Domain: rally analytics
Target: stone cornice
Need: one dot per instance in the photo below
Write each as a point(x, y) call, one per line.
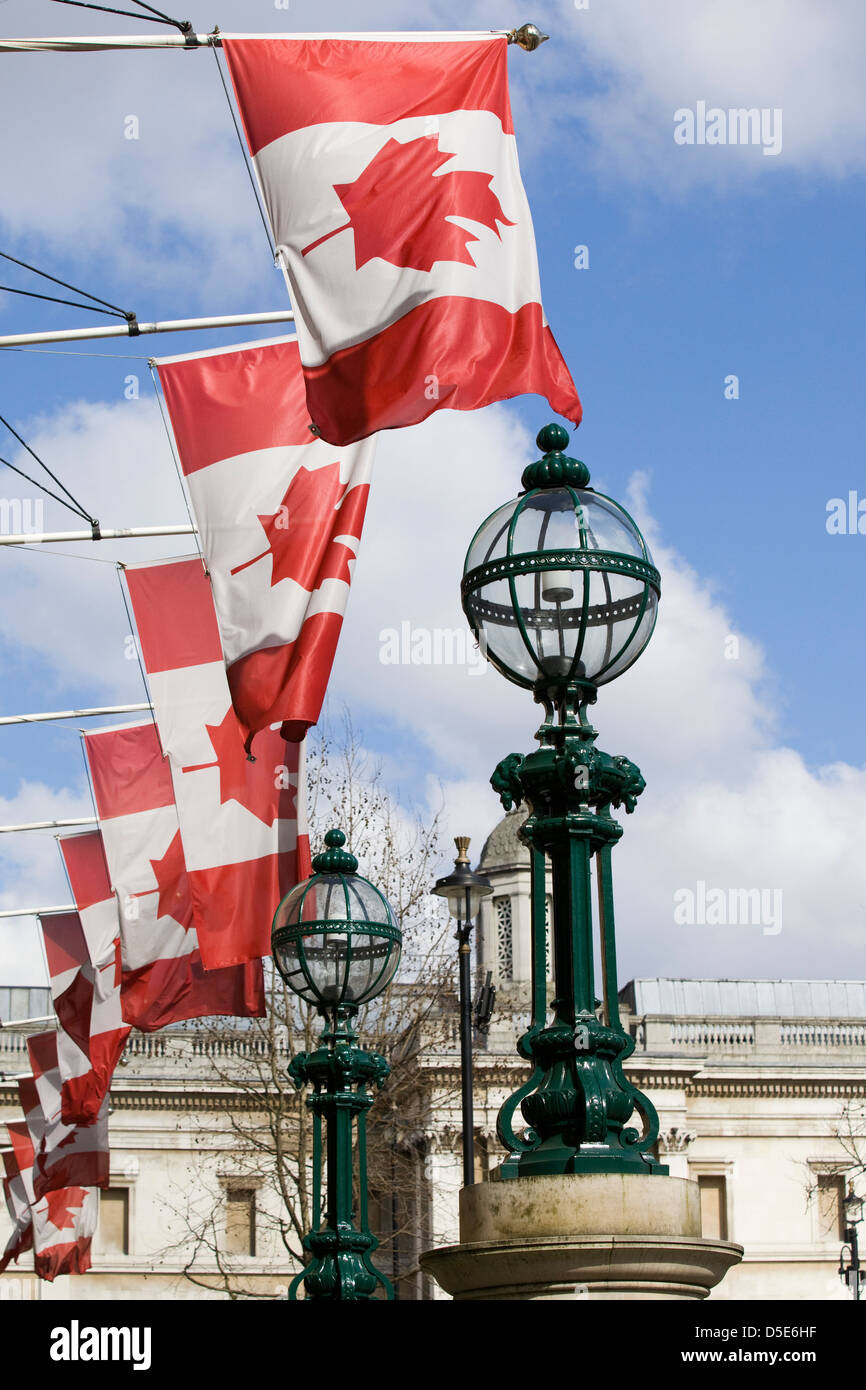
point(694, 1079)
point(161, 1098)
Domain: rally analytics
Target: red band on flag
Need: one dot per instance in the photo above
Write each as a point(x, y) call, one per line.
point(158, 994)
point(89, 879)
point(227, 404)
point(267, 682)
point(305, 82)
point(19, 1138)
point(175, 616)
point(128, 771)
point(476, 351)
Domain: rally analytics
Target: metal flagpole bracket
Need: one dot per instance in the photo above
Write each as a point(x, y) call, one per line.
point(96, 533)
point(36, 912)
point(70, 823)
point(89, 713)
point(528, 37)
point(131, 328)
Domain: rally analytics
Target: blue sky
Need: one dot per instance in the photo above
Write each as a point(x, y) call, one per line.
point(703, 262)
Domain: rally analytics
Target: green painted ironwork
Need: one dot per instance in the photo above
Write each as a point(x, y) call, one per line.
point(340, 1266)
point(578, 1101)
point(341, 1073)
point(577, 1104)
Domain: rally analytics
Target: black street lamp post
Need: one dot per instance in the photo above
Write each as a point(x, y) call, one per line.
point(463, 891)
point(850, 1273)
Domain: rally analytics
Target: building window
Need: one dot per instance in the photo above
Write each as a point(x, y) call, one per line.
point(714, 1206)
point(113, 1232)
point(504, 938)
point(241, 1221)
point(831, 1192)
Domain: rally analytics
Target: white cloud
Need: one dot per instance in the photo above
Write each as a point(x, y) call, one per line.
point(68, 610)
point(639, 64)
point(31, 873)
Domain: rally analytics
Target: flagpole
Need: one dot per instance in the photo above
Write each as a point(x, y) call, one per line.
point(117, 533)
point(74, 713)
point(135, 330)
point(37, 911)
point(48, 825)
point(103, 43)
point(48, 1018)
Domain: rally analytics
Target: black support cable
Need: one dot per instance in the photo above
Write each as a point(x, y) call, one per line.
point(115, 308)
point(53, 299)
point(76, 505)
point(184, 25)
point(48, 493)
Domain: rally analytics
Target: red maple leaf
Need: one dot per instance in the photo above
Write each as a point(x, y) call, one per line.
point(64, 1205)
point(250, 782)
point(173, 885)
point(401, 209)
point(299, 533)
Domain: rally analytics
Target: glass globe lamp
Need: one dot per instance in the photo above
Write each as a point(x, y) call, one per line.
point(559, 586)
point(335, 939)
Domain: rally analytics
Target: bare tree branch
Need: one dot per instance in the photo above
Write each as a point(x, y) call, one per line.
point(269, 1125)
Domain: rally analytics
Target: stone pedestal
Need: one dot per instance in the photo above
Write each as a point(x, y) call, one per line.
point(596, 1236)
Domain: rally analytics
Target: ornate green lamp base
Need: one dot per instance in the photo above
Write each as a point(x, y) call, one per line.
point(578, 1102)
point(341, 1267)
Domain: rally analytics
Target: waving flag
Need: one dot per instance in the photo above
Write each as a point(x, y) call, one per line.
point(17, 1199)
point(87, 871)
point(64, 1223)
point(280, 515)
point(164, 979)
point(66, 1155)
point(58, 1226)
point(242, 821)
point(389, 171)
point(92, 1034)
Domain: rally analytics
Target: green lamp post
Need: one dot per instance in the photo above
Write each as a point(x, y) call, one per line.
point(561, 593)
point(336, 943)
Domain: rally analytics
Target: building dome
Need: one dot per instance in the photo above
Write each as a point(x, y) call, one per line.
point(503, 848)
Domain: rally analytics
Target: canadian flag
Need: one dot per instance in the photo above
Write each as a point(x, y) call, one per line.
point(64, 1223)
point(164, 979)
point(389, 170)
point(280, 516)
point(92, 1034)
point(16, 1193)
point(84, 861)
point(58, 1227)
point(66, 1155)
point(242, 818)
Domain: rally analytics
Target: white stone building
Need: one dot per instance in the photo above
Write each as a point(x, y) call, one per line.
point(751, 1080)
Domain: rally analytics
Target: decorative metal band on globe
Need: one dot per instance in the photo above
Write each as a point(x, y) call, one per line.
point(559, 586)
point(334, 938)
